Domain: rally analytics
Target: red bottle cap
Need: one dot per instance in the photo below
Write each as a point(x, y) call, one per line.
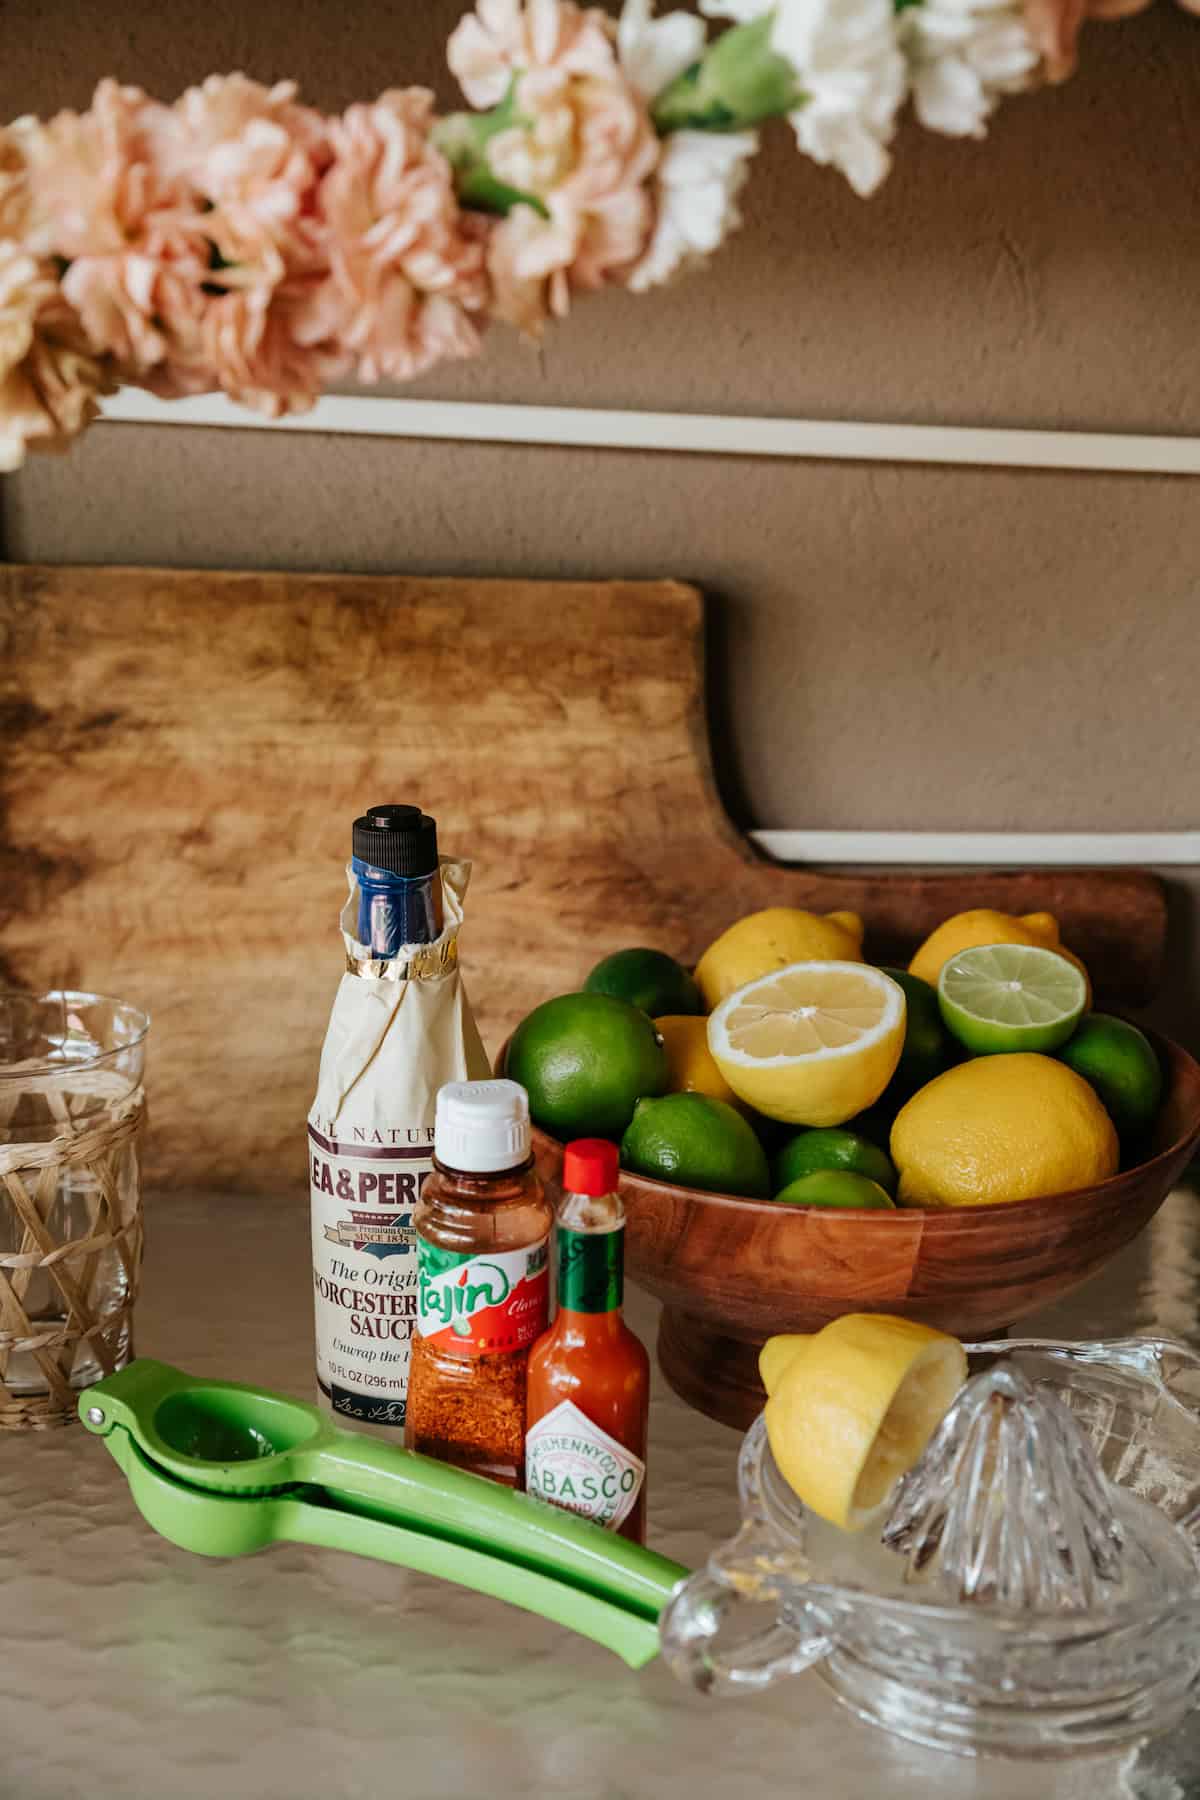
point(590, 1166)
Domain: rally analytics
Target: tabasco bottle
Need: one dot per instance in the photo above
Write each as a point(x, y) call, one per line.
point(589, 1376)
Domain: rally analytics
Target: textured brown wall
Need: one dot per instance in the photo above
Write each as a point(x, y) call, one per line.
point(940, 647)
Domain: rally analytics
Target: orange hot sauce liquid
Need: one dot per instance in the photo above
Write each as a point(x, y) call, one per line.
point(596, 1361)
point(590, 1357)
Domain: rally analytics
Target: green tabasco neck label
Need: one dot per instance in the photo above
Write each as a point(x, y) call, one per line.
point(591, 1270)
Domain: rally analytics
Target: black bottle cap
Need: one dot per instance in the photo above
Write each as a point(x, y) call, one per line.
point(401, 839)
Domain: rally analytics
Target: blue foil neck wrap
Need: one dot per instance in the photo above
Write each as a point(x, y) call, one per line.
point(395, 910)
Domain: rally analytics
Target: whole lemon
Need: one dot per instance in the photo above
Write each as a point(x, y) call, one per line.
point(690, 1065)
point(984, 925)
point(773, 939)
point(1001, 1128)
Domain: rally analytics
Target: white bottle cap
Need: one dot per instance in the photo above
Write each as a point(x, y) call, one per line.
point(482, 1126)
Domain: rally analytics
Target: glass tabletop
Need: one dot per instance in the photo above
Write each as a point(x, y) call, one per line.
point(133, 1669)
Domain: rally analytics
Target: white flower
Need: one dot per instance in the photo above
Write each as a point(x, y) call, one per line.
point(966, 54)
point(740, 11)
point(654, 52)
point(696, 184)
point(851, 71)
point(699, 173)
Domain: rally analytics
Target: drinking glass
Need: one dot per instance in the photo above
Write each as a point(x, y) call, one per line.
point(71, 1108)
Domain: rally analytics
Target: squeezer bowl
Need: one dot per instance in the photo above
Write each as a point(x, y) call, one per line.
point(224, 1425)
point(1032, 1588)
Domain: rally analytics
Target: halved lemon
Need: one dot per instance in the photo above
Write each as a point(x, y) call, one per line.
point(777, 1355)
point(812, 1044)
point(852, 1409)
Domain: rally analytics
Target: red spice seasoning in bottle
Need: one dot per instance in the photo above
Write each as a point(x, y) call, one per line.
point(482, 1226)
point(589, 1376)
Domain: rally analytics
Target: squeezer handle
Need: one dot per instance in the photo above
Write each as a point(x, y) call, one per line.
point(480, 1515)
point(629, 1632)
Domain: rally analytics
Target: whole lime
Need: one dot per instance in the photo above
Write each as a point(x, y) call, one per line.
point(647, 978)
point(699, 1142)
point(834, 1147)
point(928, 1047)
point(836, 1187)
point(1119, 1062)
point(585, 1060)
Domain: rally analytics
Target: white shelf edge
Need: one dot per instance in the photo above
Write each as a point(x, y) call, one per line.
point(691, 433)
point(1025, 849)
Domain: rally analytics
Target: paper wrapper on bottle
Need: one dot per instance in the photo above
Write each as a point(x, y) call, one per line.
point(398, 1031)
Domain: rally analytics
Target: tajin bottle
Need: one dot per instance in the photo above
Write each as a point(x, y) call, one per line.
point(589, 1376)
point(400, 1027)
point(483, 1231)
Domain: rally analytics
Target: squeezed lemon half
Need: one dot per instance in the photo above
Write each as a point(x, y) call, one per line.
point(851, 1409)
point(812, 1044)
point(775, 1356)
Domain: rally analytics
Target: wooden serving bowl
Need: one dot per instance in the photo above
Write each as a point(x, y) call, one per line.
point(730, 1272)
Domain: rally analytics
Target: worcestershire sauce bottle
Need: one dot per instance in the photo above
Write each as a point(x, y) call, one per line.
point(400, 1028)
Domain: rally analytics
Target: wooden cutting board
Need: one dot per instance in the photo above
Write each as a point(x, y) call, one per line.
point(184, 754)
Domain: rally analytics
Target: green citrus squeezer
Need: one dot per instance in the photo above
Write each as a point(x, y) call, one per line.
point(223, 1469)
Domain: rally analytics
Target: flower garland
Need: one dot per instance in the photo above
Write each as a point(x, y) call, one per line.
point(244, 243)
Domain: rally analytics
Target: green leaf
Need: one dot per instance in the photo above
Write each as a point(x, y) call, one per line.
point(463, 139)
point(739, 82)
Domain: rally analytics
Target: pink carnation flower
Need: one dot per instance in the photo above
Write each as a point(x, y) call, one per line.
point(503, 38)
point(49, 380)
point(190, 233)
point(252, 155)
point(90, 179)
point(248, 162)
point(251, 341)
point(405, 265)
point(583, 147)
point(90, 191)
point(14, 187)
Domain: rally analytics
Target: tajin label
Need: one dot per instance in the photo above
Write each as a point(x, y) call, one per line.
point(363, 1191)
point(483, 1305)
point(572, 1462)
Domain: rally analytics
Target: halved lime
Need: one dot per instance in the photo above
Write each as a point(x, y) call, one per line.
point(1000, 998)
